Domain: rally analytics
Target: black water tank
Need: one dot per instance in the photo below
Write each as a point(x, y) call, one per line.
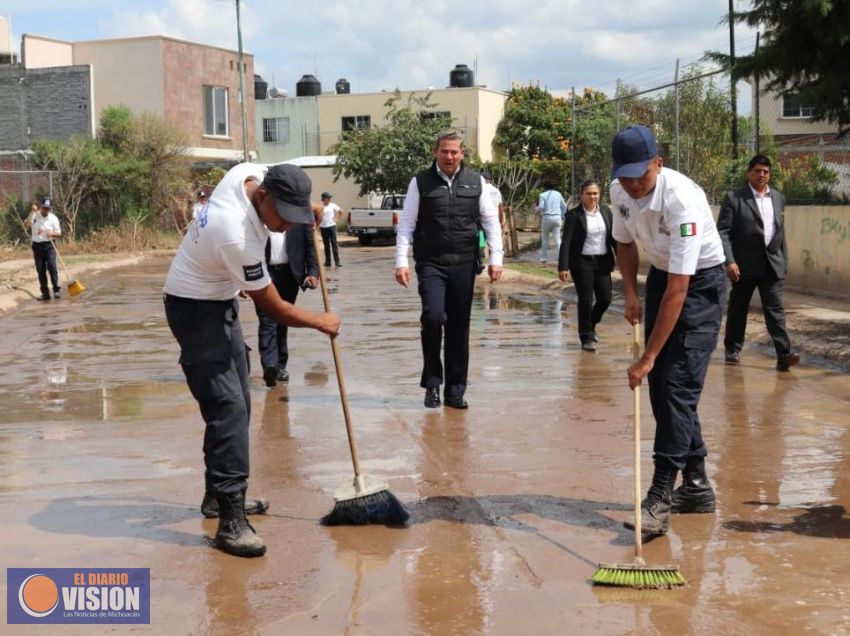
point(343, 87)
point(308, 86)
point(461, 76)
point(261, 88)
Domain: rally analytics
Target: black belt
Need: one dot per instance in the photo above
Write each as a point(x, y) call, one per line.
point(277, 266)
point(593, 257)
point(180, 299)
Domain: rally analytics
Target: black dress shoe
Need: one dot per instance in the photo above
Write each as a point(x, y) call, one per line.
point(432, 398)
point(456, 402)
point(45, 297)
point(786, 362)
point(282, 375)
point(270, 376)
point(732, 357)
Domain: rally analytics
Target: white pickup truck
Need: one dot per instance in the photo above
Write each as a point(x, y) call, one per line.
point(370, 223)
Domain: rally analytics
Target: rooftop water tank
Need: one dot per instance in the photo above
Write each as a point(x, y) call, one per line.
point(343, 87)
point(308, 86)
point(261, 87)
point(461, 76)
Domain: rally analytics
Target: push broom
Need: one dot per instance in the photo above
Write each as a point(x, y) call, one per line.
point(638, 574)
point(74, 286)
point(364, 499)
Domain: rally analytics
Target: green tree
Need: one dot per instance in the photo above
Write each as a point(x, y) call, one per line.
point(596, 125)
point(383, 159)
point(806, 50)
point(534, 125)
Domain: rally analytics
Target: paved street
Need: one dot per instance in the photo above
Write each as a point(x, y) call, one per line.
point(513, 502)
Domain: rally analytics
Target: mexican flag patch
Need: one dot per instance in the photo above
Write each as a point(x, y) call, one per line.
point(688, 229)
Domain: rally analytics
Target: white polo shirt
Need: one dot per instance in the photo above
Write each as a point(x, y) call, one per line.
point(42, 225)
point(673, 223)
point(224, 249)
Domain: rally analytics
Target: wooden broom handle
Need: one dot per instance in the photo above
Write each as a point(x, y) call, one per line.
point(636, 396)
point(343, 396)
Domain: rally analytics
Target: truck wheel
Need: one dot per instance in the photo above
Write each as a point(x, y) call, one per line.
point(364, 240)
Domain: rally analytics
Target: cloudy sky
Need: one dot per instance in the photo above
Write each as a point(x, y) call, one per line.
point(384, 44)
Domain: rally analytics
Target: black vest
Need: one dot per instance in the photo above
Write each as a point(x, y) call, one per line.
point(447, 224)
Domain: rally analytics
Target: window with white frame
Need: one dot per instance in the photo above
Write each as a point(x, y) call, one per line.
point(792, 106)
point(435, 114)
point(276, 130)
point(356, 122)
point(215, 111)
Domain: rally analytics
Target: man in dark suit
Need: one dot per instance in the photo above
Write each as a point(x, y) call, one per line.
point(292, 266)
point(751, 226)
point(587, 252)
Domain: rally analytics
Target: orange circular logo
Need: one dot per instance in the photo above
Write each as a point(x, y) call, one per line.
point(38, 595)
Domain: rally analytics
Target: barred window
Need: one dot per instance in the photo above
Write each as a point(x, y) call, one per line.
point(355, 122)
point(793, 107)
point(276, 130)
point(436, 114)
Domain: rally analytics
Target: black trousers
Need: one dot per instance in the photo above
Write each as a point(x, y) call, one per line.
point(770, 292)
point(44, 255)
point(446, 293)
point(592, 278)
point(330, 243)
point(214, 360)
point(271, 335)
point(676, 380)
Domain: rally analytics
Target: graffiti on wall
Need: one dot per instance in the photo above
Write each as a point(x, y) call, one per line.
point(831, 225)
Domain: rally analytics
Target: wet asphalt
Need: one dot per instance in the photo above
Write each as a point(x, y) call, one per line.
point(513, 502)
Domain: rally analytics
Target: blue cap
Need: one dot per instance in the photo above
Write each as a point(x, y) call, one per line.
point(632, 150)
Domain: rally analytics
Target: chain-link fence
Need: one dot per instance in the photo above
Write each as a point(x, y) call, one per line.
point(692, 117)
point(19, 189)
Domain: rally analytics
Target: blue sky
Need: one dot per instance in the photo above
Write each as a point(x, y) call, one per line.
point(384, 44)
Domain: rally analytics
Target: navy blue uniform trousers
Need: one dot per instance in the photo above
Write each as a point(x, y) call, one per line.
point(271, 335)
point(215, 363)
point(446, 293)
point(44, 256)
point(676, 380)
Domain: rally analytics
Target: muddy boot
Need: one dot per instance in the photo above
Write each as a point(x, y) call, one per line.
point(209, 506)
point(235, 535)
point(695, 494)
point(655, 508)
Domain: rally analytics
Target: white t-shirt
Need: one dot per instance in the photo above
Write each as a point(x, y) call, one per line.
point(329, 215)
point(41, 225)
point(673, 223)
point(224, 249)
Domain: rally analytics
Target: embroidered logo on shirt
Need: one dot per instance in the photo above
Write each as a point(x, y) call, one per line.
point(253, 272)
point(688, 229)
point(662, 226)
point(624, 211)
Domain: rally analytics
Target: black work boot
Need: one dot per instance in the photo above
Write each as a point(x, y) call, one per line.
point(695, 494)
point(209, 506)
point(655, 508)
point(235, 535)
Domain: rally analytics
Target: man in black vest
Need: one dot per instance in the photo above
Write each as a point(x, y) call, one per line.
point(443, 210)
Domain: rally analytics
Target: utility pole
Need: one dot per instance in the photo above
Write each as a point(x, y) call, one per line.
point(733, 92)
point(677, 113)
point(245, 156)
point(757, 100)
point(573, 149)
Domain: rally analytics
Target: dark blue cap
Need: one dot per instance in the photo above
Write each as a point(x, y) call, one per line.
point(633, 148)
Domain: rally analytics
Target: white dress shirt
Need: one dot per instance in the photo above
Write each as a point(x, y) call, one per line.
point(594, 244)
point(764, 202)
point(489, 216)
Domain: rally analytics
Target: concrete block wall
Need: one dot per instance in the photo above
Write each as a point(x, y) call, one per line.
point(46, 103)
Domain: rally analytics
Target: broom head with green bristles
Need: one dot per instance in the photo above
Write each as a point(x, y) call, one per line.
point(638, 575)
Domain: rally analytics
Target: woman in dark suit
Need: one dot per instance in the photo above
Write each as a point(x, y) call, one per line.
point(587, 251)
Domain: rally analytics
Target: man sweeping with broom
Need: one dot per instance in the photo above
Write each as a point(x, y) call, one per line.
point(685, 290)
point(222, 253)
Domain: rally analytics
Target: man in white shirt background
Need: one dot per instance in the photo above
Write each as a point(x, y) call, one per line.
point(330, 215)
point(44, 227)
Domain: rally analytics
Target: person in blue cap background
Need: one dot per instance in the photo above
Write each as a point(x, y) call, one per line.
point(222, 254)
point(685, 290)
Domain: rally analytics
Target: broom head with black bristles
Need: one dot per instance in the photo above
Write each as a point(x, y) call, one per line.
point(638, 575)
point(363, 501)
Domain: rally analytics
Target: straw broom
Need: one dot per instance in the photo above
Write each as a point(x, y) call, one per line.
point(638, 574)
point(363, 500)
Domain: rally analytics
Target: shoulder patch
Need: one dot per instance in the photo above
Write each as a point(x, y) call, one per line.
point(624, 211)
point(253, 272)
